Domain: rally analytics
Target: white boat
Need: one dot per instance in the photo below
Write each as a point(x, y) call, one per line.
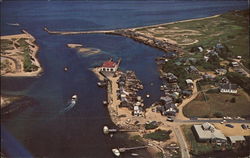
point(74, 98)
point(116, 152)
point(13, 24)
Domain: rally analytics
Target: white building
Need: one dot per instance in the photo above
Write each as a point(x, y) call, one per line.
point(109, 66)
point(228, 88)
point(236, 139)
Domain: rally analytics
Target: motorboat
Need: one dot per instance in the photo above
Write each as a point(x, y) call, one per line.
point(74, 98)
point(116, 152)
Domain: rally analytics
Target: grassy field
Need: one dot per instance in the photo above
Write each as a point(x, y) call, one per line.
point(23, 52)
point(196, 147)
point(231, 29)
point(219, 103)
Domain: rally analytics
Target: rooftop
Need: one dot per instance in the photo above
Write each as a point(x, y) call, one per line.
point(209, 132)
point(109, 64)
point(234, 139)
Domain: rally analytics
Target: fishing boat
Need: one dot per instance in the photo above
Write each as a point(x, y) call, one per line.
point(116, 152)
point(13, 24)
point(74, 98)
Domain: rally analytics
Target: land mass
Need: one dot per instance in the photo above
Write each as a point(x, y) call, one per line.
point(19, 55)
point(202, 56)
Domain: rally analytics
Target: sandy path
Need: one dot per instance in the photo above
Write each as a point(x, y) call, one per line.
point(34, 49)
point(180, 115)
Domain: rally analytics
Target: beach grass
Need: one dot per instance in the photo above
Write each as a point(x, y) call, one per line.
point(197, 148)
point(231, 29)
point(219, 103)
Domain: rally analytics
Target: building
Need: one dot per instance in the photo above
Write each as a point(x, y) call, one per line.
point(109, 66)
point(221, 71)
point(228, 88)
point(207, 132)
point(189, 82)
point(192, 69)
point(235, 64)
point(236, 139)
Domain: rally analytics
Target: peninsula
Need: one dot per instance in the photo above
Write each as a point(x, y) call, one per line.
point(18, 55)
point(205, 77)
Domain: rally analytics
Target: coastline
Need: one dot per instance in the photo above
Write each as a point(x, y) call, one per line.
point(167, 45)
point(122, 117)
point(34, 48)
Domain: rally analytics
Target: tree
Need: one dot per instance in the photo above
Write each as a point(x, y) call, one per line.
point(233, 100)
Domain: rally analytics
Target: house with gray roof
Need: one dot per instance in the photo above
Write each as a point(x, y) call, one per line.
point(207, 132)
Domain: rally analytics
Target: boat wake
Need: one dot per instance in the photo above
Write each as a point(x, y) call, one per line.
point(71, 104)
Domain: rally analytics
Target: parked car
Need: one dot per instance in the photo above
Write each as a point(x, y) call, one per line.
point(193, 118)
point(243, 126)
point(229, 125)
point(170, 119)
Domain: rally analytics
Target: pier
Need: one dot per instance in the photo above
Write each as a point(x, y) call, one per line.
point(117, 151)
point(107, 130)
point(78, 32)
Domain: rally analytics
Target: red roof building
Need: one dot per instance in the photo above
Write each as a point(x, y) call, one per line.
point(109, 66)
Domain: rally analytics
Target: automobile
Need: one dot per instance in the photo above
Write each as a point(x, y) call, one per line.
point(227, 118)
point(193, 118)
point(223, 121)
point(170, 119)
point(229, 125)
point(243, 126)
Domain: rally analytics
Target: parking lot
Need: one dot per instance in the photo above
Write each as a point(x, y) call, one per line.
point(237, 130)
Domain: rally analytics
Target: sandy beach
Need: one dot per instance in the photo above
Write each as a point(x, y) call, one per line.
point(12, 56)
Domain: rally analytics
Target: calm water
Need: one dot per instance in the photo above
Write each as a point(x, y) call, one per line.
point(42, 128)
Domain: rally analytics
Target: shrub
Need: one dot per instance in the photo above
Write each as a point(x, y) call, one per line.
point(151, 125)
point(218, 114)
point(158, 135)
point(233, 100)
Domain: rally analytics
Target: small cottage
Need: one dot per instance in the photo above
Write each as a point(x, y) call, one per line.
point(228, 88)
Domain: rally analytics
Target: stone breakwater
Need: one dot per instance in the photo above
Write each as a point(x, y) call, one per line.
point(131, 33)
point(151, 41)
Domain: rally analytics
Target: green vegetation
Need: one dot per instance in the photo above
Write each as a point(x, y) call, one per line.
point(151, 125)
point(240, 80)
point(196, 147)
point(158, 135)
point(180, 72)
point(219, 105)
point(6, 45)
point(230, 29)
point(22, 42)
point(27, 64)
point(159, 155)
point(136, 138)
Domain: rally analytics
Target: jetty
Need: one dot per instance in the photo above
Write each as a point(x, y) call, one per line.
point(107, 130)
point(117, 151)
point(77, 32)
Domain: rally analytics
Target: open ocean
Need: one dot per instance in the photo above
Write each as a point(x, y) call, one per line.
point(41, 128)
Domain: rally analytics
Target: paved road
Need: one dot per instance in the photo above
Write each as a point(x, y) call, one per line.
point(182, 142)
point(211, 121)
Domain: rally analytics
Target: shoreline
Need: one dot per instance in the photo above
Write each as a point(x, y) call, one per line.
point(122, 117)
point(34, 48)
point(166, 45)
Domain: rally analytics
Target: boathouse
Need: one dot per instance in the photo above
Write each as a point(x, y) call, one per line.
point(109, 66)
